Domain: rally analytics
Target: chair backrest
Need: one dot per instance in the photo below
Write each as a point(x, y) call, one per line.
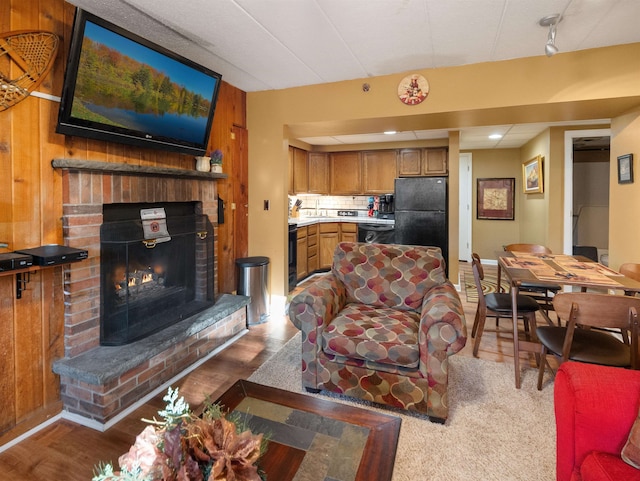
point(631, 270)
point(590, 252)
point(388, 275)
point(531, 248)
point(602, 311)
point(478, 277)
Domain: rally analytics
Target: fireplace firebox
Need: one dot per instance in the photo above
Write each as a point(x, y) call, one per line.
point(156, 262)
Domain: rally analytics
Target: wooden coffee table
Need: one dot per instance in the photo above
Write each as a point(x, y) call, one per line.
point(316, 438)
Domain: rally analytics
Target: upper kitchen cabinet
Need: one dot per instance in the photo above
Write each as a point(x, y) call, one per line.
point(416, 162)
point(346, 173)
point(409, 162)
point(300, 170)
point(319, 173)
point(434, 161)
point(379, 171)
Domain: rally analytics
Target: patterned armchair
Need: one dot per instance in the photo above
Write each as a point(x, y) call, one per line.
point(381, 326)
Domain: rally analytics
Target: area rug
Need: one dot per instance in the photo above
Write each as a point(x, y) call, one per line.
point(489, 284)
point(494, 431)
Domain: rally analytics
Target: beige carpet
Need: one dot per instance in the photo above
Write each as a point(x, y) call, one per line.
point(494, 431)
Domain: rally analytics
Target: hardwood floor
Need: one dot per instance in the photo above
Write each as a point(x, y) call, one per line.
point(67, 451)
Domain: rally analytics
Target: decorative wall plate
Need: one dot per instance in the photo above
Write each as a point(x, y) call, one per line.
point(413, 89)
point(32, 55)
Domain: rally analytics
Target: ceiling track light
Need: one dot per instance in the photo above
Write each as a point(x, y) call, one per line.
point(552, 22)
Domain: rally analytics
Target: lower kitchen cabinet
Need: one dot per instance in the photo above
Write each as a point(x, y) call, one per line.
point(301, 260)
point(348, 232)
point(328, 238)
point(312, 249)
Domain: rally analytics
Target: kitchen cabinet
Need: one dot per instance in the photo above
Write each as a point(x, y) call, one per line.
point(318, 172)
point(328, 238)
point(301, 253)
point(300, 171)
point(346, 173)
point(417, 162)
point(312, 249)
point(409, 162)
point(330, 234)
point(348, 232)
point(379, 171)
point(434, 162)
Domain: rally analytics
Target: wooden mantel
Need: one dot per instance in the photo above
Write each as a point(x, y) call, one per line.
point(92, 165)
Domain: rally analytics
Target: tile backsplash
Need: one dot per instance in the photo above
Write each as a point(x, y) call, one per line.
point(331, 204)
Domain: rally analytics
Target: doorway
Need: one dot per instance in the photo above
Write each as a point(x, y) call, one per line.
point(586, 200)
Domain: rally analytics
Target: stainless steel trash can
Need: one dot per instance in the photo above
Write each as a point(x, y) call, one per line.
point(253, 277)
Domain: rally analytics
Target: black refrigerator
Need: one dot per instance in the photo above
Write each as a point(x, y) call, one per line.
point(421, 212)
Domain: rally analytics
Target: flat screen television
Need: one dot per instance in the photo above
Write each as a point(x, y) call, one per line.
point(122, 88)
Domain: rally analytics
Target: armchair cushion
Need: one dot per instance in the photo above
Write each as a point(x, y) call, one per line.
point(387, 275)
point(599, 466)
point(383, 335)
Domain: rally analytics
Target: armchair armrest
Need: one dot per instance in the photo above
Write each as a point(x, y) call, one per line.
point(442, 323)
point(310, 311)
point(595, 407)
point(318, 304)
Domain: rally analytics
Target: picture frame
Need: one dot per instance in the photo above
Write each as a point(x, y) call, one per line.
point(625, 169)
point(532, 176)
point(496, 198)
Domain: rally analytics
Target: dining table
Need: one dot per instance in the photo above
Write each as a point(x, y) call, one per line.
point(555, 269)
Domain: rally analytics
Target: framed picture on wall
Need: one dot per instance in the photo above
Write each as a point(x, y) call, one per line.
point(532, 181)
point(625, 169)
point(496, 199)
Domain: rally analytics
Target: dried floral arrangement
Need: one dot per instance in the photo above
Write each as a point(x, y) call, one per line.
point(183, 447)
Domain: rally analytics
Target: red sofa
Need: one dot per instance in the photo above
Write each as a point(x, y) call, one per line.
point(595, 408)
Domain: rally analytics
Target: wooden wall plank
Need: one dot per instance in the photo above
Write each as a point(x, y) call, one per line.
point(7, 355)
point(53, 331)
point(29, 360)
point(31, 204)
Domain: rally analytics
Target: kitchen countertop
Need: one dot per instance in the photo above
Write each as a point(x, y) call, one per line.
point(303, 221)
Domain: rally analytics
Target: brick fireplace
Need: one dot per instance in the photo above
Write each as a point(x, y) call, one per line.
point(100, 382)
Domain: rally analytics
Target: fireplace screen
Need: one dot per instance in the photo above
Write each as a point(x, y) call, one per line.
point(154, 273)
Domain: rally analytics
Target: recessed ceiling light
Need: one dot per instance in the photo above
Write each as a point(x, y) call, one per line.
point(495, 136)
point(390, 132)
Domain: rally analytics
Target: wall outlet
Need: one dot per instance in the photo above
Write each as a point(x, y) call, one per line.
point(266, 205)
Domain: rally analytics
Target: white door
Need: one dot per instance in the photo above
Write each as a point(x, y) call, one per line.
point(465, 214)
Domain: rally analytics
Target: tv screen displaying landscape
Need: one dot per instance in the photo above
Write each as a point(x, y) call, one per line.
point(139, 93)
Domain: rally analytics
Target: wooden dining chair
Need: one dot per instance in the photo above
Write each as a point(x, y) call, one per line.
point(630, 270)
point(590, 252)
point(498, 305)
point(542, 293)
point(529, 248)
point(585, 337)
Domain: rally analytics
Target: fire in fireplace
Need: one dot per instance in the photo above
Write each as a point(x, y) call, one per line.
point(155, 262)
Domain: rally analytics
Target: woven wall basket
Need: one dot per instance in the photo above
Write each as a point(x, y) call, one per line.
point(27, 57)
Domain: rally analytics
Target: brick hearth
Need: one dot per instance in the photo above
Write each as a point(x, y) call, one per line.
point(86, 187)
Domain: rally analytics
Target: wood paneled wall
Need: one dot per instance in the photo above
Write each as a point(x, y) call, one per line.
point(31, 328)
